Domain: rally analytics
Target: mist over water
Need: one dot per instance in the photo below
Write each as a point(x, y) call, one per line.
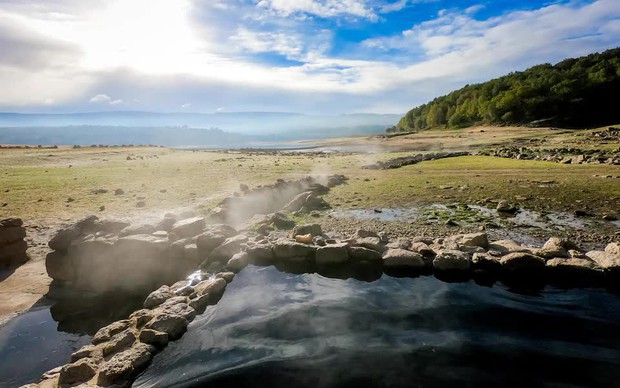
point(279, 329)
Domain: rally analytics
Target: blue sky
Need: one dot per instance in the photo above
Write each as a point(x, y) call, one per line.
point(308, 56)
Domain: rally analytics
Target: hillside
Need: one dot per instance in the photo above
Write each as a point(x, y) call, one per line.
point(574, 93)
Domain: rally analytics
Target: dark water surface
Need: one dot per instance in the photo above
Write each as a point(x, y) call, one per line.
point(44, 337)
point(283, 330)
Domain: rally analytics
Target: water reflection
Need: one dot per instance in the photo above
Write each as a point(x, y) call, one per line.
point(282, 329)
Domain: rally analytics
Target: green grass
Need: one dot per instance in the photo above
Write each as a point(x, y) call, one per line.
point(36, 186)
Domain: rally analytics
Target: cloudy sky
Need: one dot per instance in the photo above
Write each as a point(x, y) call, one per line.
point(309, 56)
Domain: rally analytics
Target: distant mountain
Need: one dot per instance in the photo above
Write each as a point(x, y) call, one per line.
point(254, 123)
point(166, 136)
point(577, 93)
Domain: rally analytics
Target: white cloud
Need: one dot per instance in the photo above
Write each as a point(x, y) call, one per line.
point(99, 98)
point(171, 54)
point(321, 8)
point(185, 106)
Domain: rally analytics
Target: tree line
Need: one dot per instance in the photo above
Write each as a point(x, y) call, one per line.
point(574, 93)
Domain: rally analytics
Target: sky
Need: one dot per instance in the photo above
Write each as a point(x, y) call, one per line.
point(306, 56)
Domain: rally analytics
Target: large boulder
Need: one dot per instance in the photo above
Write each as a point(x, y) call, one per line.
point(613, 249)
point(361, 254)
point(297, 202)
point(554, 247)
point(260, 254)
point(158, 297)
point(188, 227)
point(238, 262)
point(11, 234)
point(227, 249)
point(573, 266)
point(63, 238)
point(401, 258)
point(471, 240)
point(485, 261)
point(78, 372)
point(286, 249)
point(332, 254)
point(172, 324)
point(120, 369)
point(208, 241)
point(609, 262)
point(451, 260)
point(374, 243)
point(311, 229)
point(522, 262)
point(508, 246)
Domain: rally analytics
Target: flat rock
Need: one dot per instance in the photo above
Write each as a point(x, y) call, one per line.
point(125, 365)
point(471, 240)
point(156, 338)
point(78, 372)
point(260, 254)
point(332, 254)
point(172, 324)
point(522, 261)
point(188, 227)
point(359, 254)
point(311, 229)
point(284, 249)
point(399, 258)
point(508, 246)
point(571, 265)
point(451, 260)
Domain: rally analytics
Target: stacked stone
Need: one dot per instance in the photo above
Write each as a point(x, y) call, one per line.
point(123, 349)
point(12, 245)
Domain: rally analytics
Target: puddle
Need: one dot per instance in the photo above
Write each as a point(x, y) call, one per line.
point(469, 215)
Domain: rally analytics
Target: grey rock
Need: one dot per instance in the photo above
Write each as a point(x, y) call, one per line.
point(284, 249)
point(105, 333)
point(188, 227)
point(332, 254)
point(451, 260)
point(400, 258)
point(156, 338)
point(359, 254)
point(120, 369)
point(78, 372)
point(158, 297)
point(238, 262)
point(520, 261)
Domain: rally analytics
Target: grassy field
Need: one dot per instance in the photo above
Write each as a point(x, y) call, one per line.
point(62, 184)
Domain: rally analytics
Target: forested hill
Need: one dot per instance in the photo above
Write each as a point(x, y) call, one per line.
point(575, 93)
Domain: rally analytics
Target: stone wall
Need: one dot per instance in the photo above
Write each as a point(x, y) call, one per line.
point(106, 255)
point(12, 245)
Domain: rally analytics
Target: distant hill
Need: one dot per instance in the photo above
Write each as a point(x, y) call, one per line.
point(252, 123)
point(86, 135)
point(575, 93)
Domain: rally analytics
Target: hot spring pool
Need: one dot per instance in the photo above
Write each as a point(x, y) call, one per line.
point(284, 330)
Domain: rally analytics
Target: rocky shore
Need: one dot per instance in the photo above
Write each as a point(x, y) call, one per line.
point(123, 349)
